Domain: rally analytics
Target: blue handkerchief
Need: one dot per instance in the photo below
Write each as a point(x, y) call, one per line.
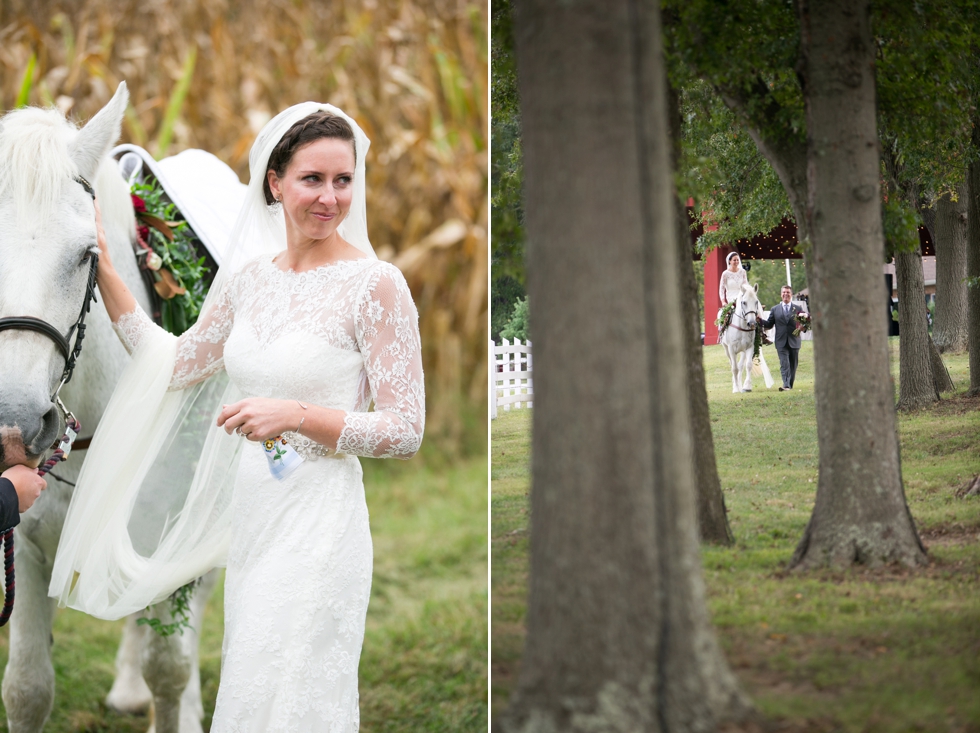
point(283, 458)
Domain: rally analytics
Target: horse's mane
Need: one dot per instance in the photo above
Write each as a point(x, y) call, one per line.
point(34, 161)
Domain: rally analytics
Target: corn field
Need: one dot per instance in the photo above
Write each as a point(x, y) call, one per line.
point(209, 73)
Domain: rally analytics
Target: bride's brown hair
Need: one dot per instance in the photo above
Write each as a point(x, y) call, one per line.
point(312, 127)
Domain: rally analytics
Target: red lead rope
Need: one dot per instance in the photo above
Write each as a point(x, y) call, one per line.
point(60, 454)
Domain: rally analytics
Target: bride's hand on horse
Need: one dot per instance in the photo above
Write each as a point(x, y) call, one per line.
point(104, 259)
point(116, 296)
point(27, 484)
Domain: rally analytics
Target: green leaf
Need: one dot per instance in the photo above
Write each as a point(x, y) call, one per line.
point(23, 96)
point(176, 104)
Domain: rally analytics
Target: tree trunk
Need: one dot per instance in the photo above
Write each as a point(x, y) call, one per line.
point(860, 513)
point(949, 321)
point(618, 635)
point(712, 515)
point(713, 526)
point(973, 256)
point(916, 387)
point(940, 374)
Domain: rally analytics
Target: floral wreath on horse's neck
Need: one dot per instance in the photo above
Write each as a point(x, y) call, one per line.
point(166, 250)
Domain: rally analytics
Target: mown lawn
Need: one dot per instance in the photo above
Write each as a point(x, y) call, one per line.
point(424, 663)
point(858, 651)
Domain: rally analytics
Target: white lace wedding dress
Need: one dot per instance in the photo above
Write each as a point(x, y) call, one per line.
point(299, 567)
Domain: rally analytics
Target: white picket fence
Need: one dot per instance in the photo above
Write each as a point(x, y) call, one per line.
point(510, 376)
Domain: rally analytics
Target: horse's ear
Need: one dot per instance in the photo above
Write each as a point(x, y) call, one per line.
point(95, 139)
point(757, 288)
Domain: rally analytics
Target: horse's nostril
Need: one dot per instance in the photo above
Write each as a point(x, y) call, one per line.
point(45, 434)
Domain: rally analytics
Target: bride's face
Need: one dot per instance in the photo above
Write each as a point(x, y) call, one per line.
point(734, 263)
point(316, 188)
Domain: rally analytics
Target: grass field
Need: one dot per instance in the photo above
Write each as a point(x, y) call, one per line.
point(865, 651)
point(424, 663)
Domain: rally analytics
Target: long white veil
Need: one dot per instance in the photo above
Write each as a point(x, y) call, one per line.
point(152, 507)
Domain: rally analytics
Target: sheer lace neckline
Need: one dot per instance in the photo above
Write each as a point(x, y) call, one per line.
point(271, 261)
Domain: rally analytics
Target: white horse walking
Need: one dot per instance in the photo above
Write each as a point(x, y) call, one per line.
point(47, 237)
point(739, 338)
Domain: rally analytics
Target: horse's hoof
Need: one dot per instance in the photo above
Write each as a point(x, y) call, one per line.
point(747, 390)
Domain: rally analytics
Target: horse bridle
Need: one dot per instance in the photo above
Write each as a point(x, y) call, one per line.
point(743, 315)
point(63, 342)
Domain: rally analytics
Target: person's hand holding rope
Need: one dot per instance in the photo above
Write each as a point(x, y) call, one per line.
point(27, 483)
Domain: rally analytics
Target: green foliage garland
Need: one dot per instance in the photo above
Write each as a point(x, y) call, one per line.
point(725, 317)
point(180, 609)
point(171, 240)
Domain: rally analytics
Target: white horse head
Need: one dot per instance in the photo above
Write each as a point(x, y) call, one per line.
point(47, 235)
point(747, 305)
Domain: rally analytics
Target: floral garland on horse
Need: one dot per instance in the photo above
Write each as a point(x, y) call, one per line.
point(724, 319)
point(167, 250)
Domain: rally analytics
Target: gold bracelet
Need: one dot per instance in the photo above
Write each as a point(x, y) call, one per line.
point(303, 419)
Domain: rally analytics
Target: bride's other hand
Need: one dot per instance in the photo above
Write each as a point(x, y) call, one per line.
point(116, 297)
point(260, 418)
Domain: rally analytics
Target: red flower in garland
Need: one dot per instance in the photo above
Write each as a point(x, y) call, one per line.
point(139, 206)
point(144, 233)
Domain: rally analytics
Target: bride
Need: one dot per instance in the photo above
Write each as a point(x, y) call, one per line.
point(302, 329)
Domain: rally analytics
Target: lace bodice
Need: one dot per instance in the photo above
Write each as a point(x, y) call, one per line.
point(337, 336)
point(731, 284)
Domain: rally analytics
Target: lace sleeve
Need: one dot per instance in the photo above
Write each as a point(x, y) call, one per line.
point(132, 327)
point(387, 331)
point(201, 348)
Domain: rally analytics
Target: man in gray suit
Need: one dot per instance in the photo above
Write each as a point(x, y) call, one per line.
point(783, 317)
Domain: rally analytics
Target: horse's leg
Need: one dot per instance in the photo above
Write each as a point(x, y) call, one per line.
point(191, 706)
point(166, 669)
point(733, 361)
point(129, 693)
point(747, 379)
point(28, 681)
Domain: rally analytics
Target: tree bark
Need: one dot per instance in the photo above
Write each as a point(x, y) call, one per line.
point(973, 256)
point(949, 322)
point(860, 513)
point(916, 383)
point(916, 386)
point(618, 636)
point(712, 515)
point(940, 374)
point(713, 525)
